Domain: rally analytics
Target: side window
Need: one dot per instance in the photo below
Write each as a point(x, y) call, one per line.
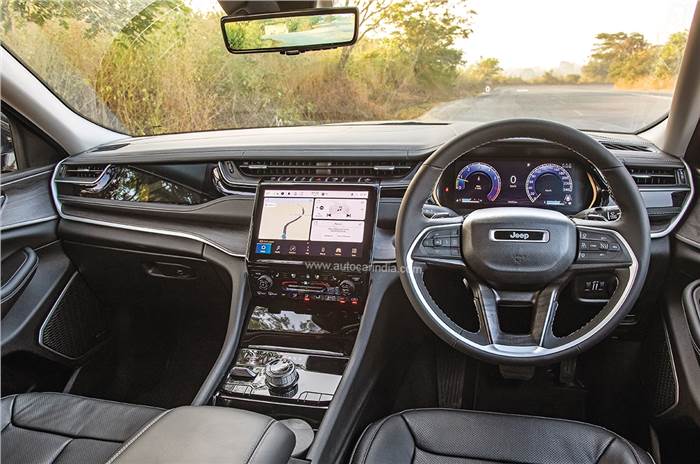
point(24, 147)
point(9, 160)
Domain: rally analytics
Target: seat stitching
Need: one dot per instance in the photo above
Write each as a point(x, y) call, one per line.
point(480, 458)
point(59, 434)
point(374, 435)
point(135, 437)
point(98, 400)
point(262, 437)
point(12, 412)
point(605, 450)
point(62, 450)
point(525, 416)
point(413, 437)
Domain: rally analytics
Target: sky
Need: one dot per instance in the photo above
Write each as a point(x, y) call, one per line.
point(543, 33)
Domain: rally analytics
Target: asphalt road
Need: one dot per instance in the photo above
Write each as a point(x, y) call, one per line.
point(595, 107)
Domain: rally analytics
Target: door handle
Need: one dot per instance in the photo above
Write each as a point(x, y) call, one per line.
point(17, 272)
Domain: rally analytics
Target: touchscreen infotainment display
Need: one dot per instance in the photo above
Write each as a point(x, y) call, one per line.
point(313, 222)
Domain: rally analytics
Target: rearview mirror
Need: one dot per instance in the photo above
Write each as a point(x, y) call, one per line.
point(290, 32)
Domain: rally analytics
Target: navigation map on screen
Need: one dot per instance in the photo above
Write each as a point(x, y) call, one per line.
point(300, 222)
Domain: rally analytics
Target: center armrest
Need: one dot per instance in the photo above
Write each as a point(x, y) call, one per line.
point(192, 434)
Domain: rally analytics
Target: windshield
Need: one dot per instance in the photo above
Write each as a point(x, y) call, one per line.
point(147, 67)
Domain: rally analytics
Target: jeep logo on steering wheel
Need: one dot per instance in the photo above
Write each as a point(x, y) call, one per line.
point(508, 235)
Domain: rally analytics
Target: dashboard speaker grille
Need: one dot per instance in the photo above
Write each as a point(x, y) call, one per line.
point(77, 323)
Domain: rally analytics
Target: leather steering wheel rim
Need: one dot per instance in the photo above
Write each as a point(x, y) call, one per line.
point(632, 229)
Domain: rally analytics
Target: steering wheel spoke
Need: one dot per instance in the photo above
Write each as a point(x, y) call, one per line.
point(537, 306)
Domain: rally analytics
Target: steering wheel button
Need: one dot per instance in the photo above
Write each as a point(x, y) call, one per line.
point(439, 242)
point(428, 242)
point(594, 246)
point(583, 245)
point(614, 246)
point(454, 242)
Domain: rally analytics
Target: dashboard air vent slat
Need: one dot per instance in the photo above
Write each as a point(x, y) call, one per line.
point(80, 173)
point(656, 175)
point(374, 169)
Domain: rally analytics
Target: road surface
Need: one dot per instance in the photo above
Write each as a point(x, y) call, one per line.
point(595, 107)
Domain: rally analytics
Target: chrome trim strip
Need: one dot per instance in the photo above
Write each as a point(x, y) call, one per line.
point(533, 351)
point(219, 182)
point(688, 241)
point(17, 225)
point(22, 179)
point(308, 351)
point(684, 207)
point(171, 233)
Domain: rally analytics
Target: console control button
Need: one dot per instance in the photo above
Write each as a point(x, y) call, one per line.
point(440, 243)
point(265, 283)
point(597, 247)
point(347, 288)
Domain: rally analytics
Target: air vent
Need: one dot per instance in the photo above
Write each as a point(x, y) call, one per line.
point(375, 169)
point(657, 175)
point(625, 146)
point(80, 173)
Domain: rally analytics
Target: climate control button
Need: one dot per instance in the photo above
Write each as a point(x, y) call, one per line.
point(264, 282)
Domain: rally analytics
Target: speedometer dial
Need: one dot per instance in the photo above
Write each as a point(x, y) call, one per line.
point(477, 183)
point(550, 185)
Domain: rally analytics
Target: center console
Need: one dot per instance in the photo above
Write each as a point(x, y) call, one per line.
point(308, 259)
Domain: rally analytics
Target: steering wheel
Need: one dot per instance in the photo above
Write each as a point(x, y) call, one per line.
point(520, 255)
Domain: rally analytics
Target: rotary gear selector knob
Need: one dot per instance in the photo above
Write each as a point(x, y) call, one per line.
point(281, 374)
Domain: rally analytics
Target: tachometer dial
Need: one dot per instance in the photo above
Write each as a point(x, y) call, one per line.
point(478, 182)
point(550, 184)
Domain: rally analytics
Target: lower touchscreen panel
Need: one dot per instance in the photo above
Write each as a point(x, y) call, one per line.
point(307, 222)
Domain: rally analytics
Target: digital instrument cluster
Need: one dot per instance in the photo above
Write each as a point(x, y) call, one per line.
point(559, 184)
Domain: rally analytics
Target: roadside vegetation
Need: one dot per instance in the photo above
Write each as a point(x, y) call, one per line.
point(165, 69)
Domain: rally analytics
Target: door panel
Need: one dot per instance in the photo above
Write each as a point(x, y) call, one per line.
point(34, 268)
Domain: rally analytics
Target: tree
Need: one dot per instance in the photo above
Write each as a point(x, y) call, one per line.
point(426, 33)
point(371, 14)
point(670, 54)
point(619, 57)
point(486, 70)
point(133, 21)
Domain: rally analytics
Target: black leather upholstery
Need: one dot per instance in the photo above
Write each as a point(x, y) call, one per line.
point(448, 436)
point(57, 428)
point(210, 435)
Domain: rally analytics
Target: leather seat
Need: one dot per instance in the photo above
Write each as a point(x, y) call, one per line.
point(59, 428)
point(447, 436)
